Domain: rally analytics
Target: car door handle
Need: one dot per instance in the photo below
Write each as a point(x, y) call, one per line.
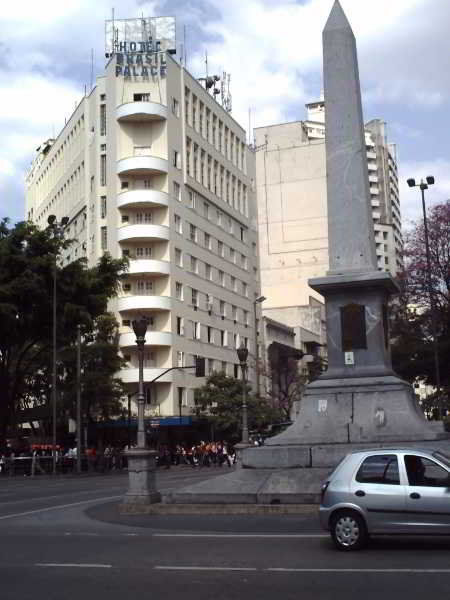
point(360, 493)
point(414, 496)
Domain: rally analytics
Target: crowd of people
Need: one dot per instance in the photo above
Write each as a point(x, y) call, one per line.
point(37, 458)
point(204, 454)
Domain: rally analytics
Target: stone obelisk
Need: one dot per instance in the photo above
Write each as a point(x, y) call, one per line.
point(359, 398)
point(359, 401)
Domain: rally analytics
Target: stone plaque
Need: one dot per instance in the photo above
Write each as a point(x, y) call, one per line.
point(353, 327)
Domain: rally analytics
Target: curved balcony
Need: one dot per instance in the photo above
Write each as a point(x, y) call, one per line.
point(142, 165)
point(138, 266)
point(154, 303)
point(141, 111)
point(142, 232)
point(131, 375)
point(142, 199)
point(152, 338)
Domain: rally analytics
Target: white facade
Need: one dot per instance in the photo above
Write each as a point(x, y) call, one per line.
point(153, 168)
point(292, 212)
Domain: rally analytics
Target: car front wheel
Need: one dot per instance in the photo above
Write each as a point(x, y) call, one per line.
point(348, 531)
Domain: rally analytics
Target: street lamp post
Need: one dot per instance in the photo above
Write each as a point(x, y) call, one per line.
point(57, 230)
point(141, 461)
point(258, 300)
point(424, 186)
point(140, 329)
point(242, 353)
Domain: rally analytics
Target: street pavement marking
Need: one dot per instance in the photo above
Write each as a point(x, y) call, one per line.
point(80, 565)
point(335, 570)
point(243, 535)
point(41, 510)
point(158, 568)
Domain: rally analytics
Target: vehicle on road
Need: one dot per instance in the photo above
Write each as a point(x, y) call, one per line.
point(386, 491)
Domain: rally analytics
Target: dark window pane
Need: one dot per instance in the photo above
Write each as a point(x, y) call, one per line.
point(379, 469)
point(424, 472)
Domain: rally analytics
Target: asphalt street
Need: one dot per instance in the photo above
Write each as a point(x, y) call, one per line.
point(64, 539)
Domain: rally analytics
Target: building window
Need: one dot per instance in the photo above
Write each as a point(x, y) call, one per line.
point(141, 97)
point(207, 241)
point(176, 159)
point(220, 248)
point(104, 238)
point(243, 261)
point(102, 147)
point(144, 287)
point(147, 184)
point(193, 233)
point(180, 361)
point(144, 252)
point(178, 257)
point(196, 333)
point(234, 313)
point(245, 317)
point(194, 264)
point(179, 290)
point(221, 278)
point(206, 210)
point(102, 97)
point(222, 308)
point(102, 207)
point(244, 289)
point(124, 185)
point(233, 283)
point(175, 107)
point(219, 218)
point(182, 398)
point(208, 271)
point(232, 255)
point(176, 191)
point(177, 221)
point(191, 199)
point(194, 297)
point(180, 326)
point(102, 119)
point(209, 334)
point(223, 338)
point(149, 359)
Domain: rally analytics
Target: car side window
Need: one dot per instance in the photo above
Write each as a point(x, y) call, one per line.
point(424, 472)
point(379, 468)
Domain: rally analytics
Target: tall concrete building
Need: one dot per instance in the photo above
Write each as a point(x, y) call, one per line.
point(292, 215)
point(150, 166)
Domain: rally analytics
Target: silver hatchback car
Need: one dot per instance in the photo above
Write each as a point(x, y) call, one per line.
point(386, 491)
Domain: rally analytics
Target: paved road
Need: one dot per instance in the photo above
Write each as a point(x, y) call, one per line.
point(64, 539)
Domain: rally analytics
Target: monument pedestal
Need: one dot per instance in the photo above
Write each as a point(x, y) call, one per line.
point(141, 483)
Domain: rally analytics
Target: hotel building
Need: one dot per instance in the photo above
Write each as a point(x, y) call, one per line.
point(150, 166)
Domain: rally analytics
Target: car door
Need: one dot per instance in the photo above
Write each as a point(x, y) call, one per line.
point(377, 490)
point(427, 495)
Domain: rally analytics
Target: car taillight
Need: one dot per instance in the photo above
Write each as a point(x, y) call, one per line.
point(323, 490)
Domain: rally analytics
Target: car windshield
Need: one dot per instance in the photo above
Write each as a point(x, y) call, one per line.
point(445, 458)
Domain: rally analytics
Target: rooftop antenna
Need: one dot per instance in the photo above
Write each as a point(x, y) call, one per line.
point(92, 70)
point(112, 31)
point(206, 64)
point(184, 47)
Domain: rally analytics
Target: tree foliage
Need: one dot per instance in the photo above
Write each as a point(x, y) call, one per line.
point(412, 348)
point(220, 399)
point(27, 260)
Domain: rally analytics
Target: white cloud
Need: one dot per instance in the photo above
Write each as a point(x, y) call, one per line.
point(411, 199)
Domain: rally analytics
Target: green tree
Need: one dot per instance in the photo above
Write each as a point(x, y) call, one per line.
point(411, 331)
point(27, 258)
point(220, 399)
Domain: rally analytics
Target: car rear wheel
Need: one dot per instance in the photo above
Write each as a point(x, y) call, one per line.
point(348, 531)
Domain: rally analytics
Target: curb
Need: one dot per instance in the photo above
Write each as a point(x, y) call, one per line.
point(218, 509)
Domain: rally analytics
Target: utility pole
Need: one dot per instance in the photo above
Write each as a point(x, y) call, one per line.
point(78, 398)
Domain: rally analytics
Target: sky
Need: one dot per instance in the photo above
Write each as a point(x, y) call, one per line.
point(271, 48)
